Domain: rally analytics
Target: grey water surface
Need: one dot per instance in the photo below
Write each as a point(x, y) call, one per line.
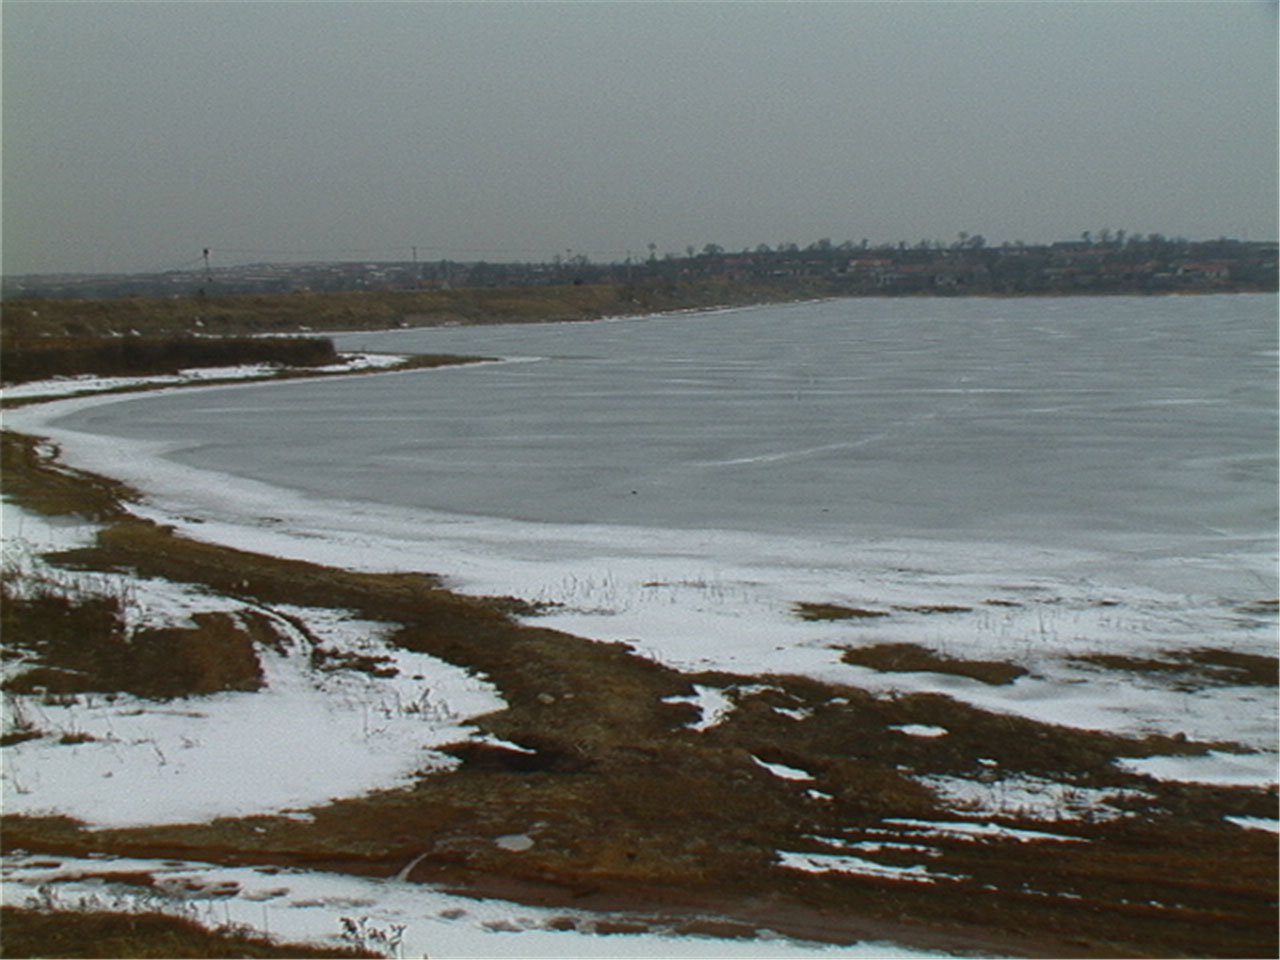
point(1137, 424)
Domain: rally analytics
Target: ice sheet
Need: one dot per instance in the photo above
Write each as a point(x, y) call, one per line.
point(1143, 427)
point(1177, 559)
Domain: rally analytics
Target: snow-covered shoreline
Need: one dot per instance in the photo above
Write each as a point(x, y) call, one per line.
point(708, 610)
point(91, 384)
point(722, 600)
point(304, 739)
point(401, 919)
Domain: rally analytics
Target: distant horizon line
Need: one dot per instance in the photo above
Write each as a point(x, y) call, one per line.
point(417, 252)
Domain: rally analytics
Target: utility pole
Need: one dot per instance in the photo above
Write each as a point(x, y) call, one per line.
point(208, 279)
point(416, 280)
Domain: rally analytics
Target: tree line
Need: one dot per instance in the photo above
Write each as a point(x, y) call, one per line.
point(1105, 261)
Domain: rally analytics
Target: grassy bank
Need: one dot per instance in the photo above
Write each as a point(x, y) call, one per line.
point(23, 359)
point(634, 808)
point(162, 335)
point(301, 312)
point(35, 933)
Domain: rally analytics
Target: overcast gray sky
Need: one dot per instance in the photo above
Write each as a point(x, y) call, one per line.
point(136, 134)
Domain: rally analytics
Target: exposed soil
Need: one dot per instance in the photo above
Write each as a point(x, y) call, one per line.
point(628, 807)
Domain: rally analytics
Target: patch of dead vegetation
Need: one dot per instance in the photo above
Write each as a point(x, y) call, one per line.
point(913, 658)
point(1236, 667)
point(327, 660)
point(835, 611)
point(20, 735)
point(33, 478)
point(1196, 668)
point(61, 933)
point(40, 358)
point(279, 313)
point(1260, 607)
point(73, 643)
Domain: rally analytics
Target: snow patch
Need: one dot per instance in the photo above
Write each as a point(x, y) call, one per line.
point(1256, 823)
point(1031, 798)
point(783, 771)
point(399, 918)
point(920, 730)
point(967, 831)
point(1226, 769)
point(795, 713)
point(309, 736)
point(846, 863)
point(89, 384)
point(714, 706)
point(514, 842)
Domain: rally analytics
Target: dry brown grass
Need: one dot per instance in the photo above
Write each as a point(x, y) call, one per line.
point(75, 641)
point(365, 310)
point(31, 933)
point(38, 358)
point(161, 664)
point(32, 476)
point(911, 658)
point(1196, 668)
point(835, 611)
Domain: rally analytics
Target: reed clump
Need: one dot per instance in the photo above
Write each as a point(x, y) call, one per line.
point(305, 312)
point(89, 933)
point(77, 641)
point(23, 359)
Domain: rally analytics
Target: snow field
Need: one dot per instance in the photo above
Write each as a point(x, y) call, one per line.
point(307, 737)
point(400, 919)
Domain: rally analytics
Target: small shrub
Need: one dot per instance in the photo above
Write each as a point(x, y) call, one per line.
point(834, 611)
point(323, 658)
point(82, 933)
point(20, 736)
point(22, 360)
point(80, 642)
point(1232, 666)
point(1200, 667)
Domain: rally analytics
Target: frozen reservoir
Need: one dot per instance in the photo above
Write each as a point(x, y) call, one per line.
point(1076, 475)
